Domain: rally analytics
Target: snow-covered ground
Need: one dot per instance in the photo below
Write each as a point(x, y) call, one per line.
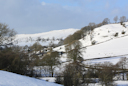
point(29, 39)
point(116, 83)
point(49, 79)
point(121, 83)
point(12, 79)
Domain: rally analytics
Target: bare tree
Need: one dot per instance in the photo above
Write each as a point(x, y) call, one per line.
point(123, 63)
point(91, 28)
point(115, 19)
point(106, 74)
point(6, 34)
point(123, 19)
point(106, 21)
point(51, 60)
point(36, 47)
point(73, 74)
point(74, 51)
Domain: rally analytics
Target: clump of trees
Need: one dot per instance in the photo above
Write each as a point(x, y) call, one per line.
point(123, 65)
point(73, 71)
point(73, 74)
point(106, 21)
point(36, 47)
point(51, 60)
point(73, 50)
point(6, 35)
point(123, 19)
point(106, 73)
point(77, 35)
point(13, 60)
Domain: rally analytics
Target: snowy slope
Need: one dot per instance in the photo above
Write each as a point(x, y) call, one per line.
point(29, 39)
point(11, 79)
point(114, 47)
point(105, 33)
point(107, 44)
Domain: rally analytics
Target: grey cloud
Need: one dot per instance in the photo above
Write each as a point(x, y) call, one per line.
point(30, 16)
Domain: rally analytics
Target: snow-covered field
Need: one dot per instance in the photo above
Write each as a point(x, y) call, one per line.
point(12, 79)
point(115, 47)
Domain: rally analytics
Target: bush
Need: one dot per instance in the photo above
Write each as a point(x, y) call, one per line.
point(13, 61)
point(121, 23)
point(93, 42)
point(116, 34)
point(73, 74)
point(59, 80)
point(123, 32)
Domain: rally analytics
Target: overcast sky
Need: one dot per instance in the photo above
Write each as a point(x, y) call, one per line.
point(36, 16)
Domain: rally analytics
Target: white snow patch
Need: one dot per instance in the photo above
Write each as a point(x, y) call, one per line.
point(11, 79)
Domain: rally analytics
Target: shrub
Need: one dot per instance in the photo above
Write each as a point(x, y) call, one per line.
point(59, 80)
point(123, 32)
point(93, 42)
point(116, 34)
point(123, 25)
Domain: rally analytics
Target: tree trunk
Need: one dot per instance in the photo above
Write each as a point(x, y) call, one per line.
point(52, 70)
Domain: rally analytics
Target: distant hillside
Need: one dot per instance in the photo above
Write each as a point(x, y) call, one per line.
point(44, 38)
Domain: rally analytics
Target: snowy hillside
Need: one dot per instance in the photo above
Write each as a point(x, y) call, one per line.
point(106, 33)
point(107, 44)
point(11, 79)
point(29, 39)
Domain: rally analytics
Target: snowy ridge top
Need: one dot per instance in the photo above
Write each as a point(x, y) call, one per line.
point(50, 34)
point(46, 37)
